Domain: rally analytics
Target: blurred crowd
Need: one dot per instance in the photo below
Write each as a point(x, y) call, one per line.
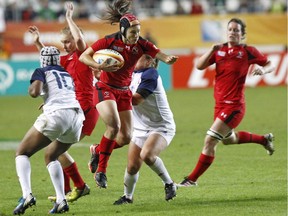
point(49, 10)
point(92, 10)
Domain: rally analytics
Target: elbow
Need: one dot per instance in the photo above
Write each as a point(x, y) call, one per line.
point(134, 102)
point(33, 92)
point(137, 99)
point(200, 66)
point(81, 58)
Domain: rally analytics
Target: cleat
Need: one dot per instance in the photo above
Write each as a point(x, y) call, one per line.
point(94, 160)
point(24, 204)
point(77, 193)
point(170, 191)
point(60, 208)
point(53, 198)
point(101, 179)
point(269, 144)
point(123, 200)
point(187, 183)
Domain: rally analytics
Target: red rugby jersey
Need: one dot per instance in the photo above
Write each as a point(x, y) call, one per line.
point(82, 76)
point(232, 66)
point(130, 52)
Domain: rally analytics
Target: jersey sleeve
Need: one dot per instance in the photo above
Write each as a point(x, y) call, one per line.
point(38, 74)
point(255, 57)
point(151, 49)
point(148, 82)
point(99, 44)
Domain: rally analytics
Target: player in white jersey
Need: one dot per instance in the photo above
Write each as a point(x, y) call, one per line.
point(154, 129)
point(58, 127)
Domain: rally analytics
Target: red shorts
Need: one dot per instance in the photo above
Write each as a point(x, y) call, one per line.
point(231, 115)
point(91, 118)
point(122, 96)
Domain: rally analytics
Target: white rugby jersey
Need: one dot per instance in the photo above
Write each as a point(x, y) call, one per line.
point(154, 113)
point(58, 88)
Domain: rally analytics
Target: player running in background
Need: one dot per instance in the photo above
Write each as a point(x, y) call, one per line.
point(232, 63)
point(58, 127)
point(113, 100)
point(154, 129)
point(74, 44)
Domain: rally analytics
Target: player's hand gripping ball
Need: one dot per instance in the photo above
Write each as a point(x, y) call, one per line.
point(113, 57)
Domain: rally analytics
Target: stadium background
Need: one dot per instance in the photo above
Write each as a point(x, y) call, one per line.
point(243, 181)
point(177, 31)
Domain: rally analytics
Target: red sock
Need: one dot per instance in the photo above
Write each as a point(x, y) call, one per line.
point(74, 174)
point(97, 151)
point(116, 145)
point(105, 149)
point(67, 187)
point(203, 164)
point(246, 137)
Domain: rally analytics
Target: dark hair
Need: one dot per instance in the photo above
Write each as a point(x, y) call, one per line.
point(116, 10)
point(241, 23)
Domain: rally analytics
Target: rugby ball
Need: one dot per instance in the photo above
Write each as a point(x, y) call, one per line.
point(113, 57)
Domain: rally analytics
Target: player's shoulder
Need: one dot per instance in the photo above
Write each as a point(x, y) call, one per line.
point(247, 46)
point(57, 68)
point(144, 42)
point(150, 73)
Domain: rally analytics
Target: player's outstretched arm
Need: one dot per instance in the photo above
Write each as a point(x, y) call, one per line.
point(168, 59)
point(75, 31)
point(36, 37)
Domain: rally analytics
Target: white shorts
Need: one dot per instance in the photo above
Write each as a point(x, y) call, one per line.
point(139, 136)
point(65, 125)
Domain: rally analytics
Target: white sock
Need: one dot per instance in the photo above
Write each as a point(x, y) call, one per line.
point(159, 168)
point(23, 169)
point(130, 184)
point(57, 178)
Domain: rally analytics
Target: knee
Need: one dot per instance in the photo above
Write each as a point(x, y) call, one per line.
point(124, 139)
point(132, 169)
point(147, 157)
point(210, 141)
point(113, 130)
point(48, 158)
point(22, 152)
point(210, 145)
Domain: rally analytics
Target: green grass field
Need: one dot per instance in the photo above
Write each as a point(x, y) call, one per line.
point(243, 180)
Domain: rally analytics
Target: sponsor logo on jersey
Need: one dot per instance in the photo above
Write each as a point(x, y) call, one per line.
point(221, 53)
point(117, 48)
point(135, 50)
point(240, 54)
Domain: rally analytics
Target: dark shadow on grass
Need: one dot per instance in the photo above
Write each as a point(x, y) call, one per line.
point(193, 202)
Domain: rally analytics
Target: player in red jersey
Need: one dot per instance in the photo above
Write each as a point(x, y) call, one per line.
point(232, 63)
point(114, 97)
point(74, 44)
